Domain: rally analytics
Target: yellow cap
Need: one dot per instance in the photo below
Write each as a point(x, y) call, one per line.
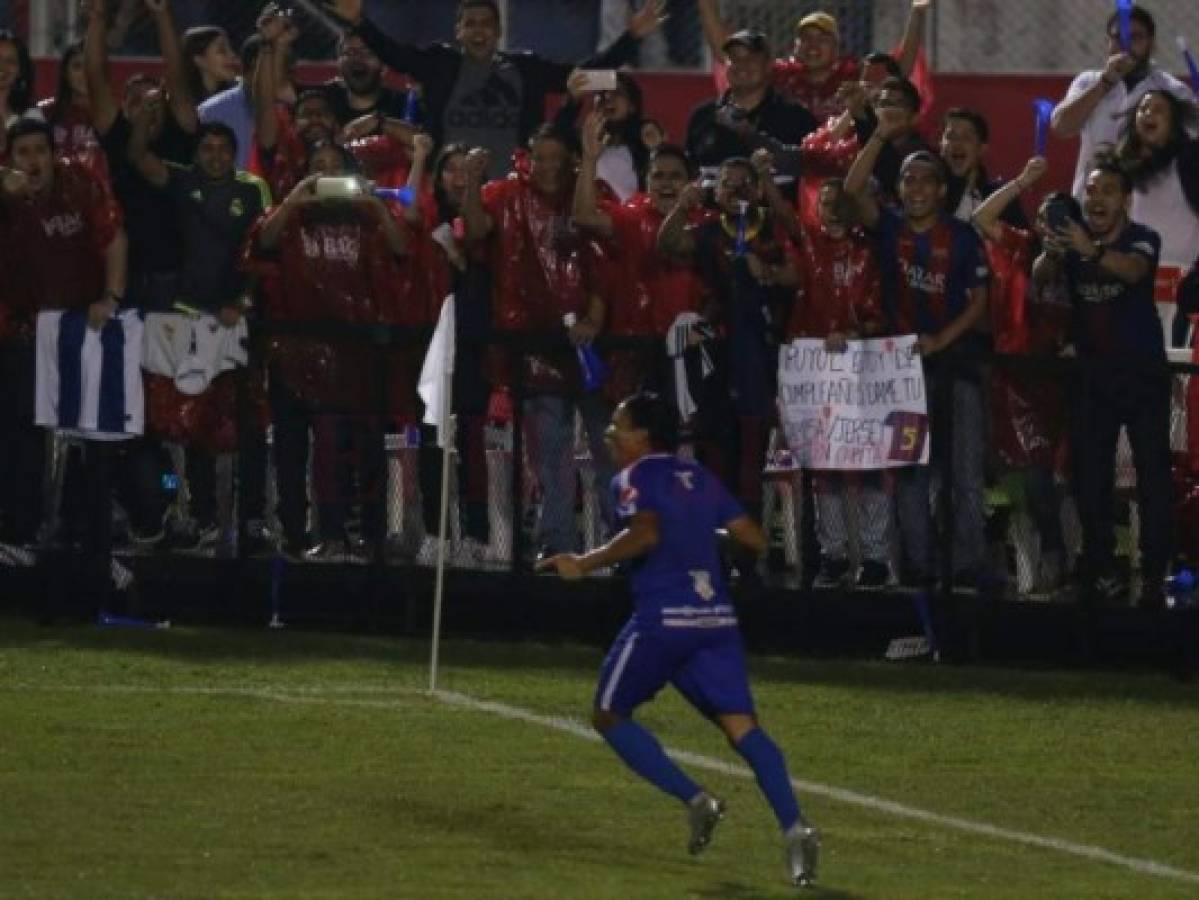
point(820, 20)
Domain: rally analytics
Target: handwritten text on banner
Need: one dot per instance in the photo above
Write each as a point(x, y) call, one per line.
point(863, 408)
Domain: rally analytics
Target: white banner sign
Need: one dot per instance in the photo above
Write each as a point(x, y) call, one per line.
point(863, 408)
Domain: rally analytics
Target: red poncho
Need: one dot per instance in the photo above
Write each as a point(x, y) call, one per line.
point(540, 264)
point(839, 289)
point(55, 245)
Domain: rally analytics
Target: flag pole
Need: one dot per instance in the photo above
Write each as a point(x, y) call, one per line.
point(442, 527)
point(446, 433)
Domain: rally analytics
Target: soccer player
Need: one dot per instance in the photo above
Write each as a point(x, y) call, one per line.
point(683, 630)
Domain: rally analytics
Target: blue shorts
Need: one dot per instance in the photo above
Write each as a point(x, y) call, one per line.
point(706, 666)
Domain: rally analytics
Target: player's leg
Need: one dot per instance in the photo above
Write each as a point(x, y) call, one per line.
point(635, 669)
point(715, 680)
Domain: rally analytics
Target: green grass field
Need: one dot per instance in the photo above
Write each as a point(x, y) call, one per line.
point(197, 763)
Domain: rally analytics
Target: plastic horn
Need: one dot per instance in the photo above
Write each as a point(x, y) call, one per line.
point(107, 620)
point(1124, 12)
point(742, 244)
point(404, 196)
point(1192, 66)
point(1044, 111)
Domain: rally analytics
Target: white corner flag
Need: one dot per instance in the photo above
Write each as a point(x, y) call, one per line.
point(436, 371)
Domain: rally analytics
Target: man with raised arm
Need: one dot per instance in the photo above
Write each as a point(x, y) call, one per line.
point(1095, 105)
point(476, 93)
point(934, 278)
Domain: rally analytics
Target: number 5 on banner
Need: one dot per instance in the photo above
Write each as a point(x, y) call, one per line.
point(909, 430)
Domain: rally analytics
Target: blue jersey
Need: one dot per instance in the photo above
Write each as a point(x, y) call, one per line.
point(679, 584)
point(1112, 318)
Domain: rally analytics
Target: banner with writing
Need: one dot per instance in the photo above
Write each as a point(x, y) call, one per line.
point(862, 408)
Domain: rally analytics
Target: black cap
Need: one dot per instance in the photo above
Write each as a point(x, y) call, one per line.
point(750, 39)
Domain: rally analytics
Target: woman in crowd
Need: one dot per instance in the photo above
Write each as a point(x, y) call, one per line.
point(625, 159)
point(209, 61)
point(69, 111)
point(16, 83)
point(451, 268)
point(1161, 155)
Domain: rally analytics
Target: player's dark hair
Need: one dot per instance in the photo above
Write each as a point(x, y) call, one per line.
point(219, 129)
point(27, 125)
point(1106, 162)
point(743, 163)
point(929, 158)
point(911, 94)
point(550, 132)
point(676, 152)
point(20, 96)
point(977, 121)
point(1138, 14)
point(465, 5)
point(886, 60)
point(652, 412)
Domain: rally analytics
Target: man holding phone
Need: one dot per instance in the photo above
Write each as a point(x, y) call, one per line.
point(751, 115)
point(477, 94)
point(1110, 264)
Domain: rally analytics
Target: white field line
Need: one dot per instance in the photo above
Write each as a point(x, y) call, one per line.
point(342, 696)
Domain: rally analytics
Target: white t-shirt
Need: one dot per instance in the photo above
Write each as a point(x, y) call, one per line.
point(1107, 120)
point(1162, 206)
point(616, 167)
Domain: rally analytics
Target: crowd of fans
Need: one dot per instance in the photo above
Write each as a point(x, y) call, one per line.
point(803, 201)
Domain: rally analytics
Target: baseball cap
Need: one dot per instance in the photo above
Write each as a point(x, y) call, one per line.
point(820, 20)
point(750, 39)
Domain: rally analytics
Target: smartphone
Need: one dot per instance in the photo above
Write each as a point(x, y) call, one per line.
point(597, 80)
point(1058, 213)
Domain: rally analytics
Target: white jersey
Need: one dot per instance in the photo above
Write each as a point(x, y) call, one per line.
point(89, 383)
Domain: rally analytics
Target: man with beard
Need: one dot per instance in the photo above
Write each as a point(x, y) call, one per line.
point(743, 256)
point(1095, 105)
point(477, 94)
point(934, 278)
point(964, 138)
point(751, 114)
point(541, 268)
point(380, 145)
point(359, 90)
point(1110, 263)
point(645, 292)
point(813, 74)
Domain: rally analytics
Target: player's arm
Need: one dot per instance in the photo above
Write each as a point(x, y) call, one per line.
point(913, 37)
point(139, 154)
point(586, 211)
point(478, 223)
point(748, 535)
point(182, 103)
point(716, 29)
point(1127, 267)
point(674, 239)
point(104, 107)
point(975, 309)
point(986, 217)
point(638, 539)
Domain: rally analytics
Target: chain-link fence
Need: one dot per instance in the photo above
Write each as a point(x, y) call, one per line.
point(961, 35)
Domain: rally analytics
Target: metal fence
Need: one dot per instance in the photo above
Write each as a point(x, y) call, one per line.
point(962, 35)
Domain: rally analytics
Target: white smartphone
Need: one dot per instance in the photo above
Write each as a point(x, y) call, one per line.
point(596, 80)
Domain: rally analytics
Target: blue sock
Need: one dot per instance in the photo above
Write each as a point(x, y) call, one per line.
point(765, 758)
point(643, 754)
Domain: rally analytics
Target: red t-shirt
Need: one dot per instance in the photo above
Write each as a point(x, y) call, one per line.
point(56, 243)
point(839, 289)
